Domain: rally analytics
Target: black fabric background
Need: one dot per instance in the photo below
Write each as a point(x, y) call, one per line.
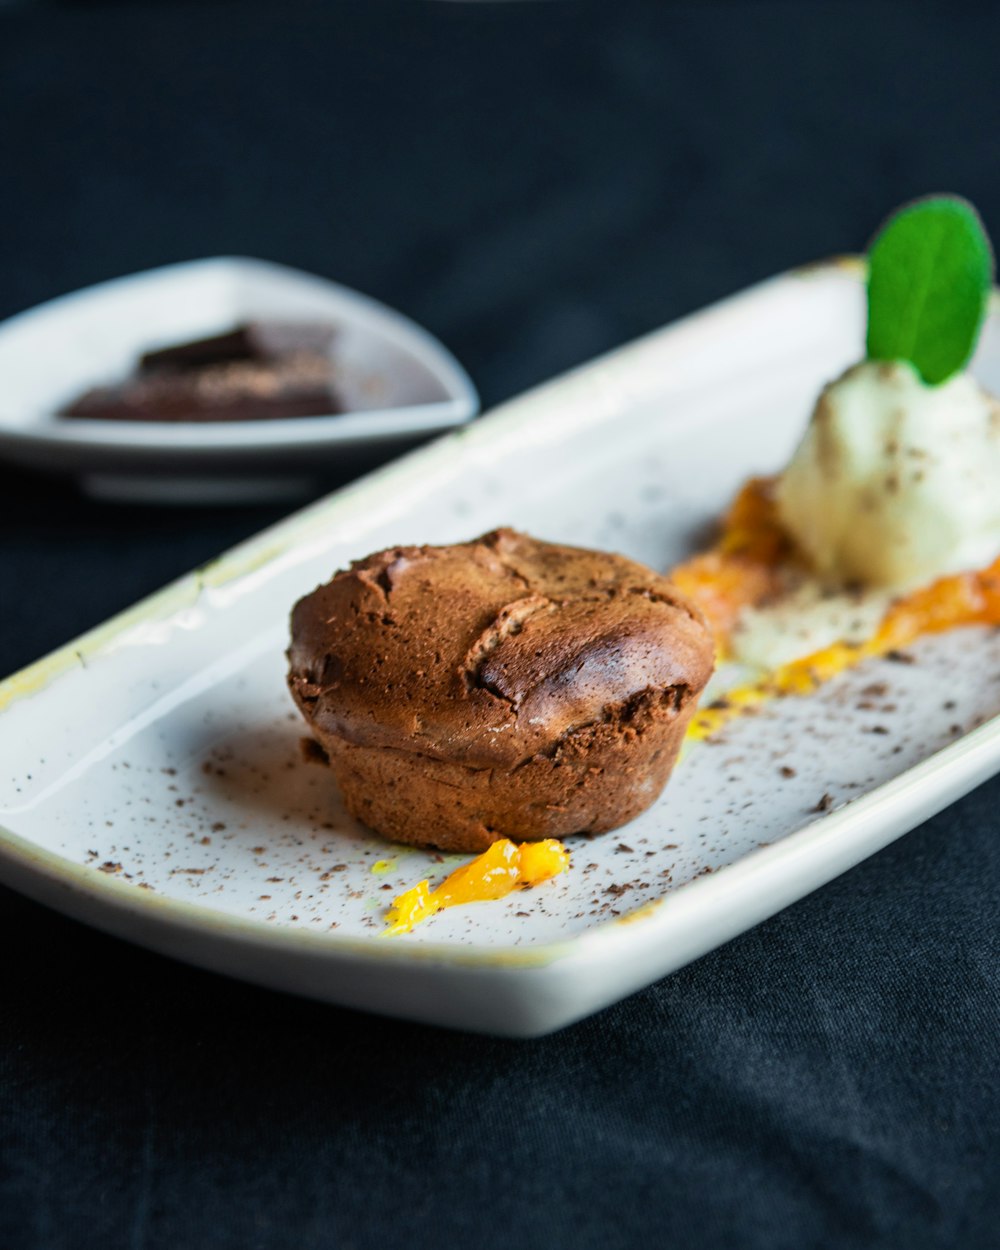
point(536, 183)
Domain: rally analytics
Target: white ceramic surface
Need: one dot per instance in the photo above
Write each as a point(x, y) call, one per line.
point(151, 781)
point(400, 385)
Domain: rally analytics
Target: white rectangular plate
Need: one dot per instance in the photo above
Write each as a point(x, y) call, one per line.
point(152, 783)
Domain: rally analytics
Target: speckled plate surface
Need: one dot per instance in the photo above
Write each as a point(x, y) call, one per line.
point(151, 779)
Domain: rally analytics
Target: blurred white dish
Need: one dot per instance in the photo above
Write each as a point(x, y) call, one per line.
point(401, 383)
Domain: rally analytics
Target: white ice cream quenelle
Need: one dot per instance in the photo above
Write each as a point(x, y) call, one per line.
point(896, 482)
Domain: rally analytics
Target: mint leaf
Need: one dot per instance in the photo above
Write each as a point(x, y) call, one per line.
point(930, 270)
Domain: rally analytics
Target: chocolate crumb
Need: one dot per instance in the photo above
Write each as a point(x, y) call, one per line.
point(900, 657)
point(786, 770)
point(825, 803)
point(109, 866)
point(624, 848)
point(618, 890)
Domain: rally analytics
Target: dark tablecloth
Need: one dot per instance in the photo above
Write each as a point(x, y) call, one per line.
point(535, 183)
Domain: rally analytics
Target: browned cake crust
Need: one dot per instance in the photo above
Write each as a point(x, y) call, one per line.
point(503, 687)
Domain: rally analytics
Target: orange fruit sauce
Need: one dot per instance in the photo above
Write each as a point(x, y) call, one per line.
point(754, 561)
point(505, 867)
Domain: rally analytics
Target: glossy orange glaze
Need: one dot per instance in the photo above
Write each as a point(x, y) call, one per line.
point(506, 866)
point(750, 562)
point(754, 561)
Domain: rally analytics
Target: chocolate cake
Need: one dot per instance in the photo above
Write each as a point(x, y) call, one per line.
point(504, 687)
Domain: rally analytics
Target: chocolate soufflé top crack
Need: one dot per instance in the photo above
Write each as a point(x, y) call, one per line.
point(489, 653)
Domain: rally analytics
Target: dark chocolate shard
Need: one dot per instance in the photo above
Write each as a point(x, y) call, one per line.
point(254, 340)
point(258, 371)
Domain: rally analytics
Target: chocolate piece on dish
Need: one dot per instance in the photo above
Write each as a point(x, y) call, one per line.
point(259, 371)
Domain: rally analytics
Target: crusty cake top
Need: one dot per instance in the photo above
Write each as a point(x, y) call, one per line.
point(489, 652)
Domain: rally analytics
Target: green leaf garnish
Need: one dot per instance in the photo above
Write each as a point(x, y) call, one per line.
point(930, 270)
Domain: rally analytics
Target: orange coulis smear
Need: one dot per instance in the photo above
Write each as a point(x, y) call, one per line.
point(754, 561)
point(750, 562)
point(505, 867)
